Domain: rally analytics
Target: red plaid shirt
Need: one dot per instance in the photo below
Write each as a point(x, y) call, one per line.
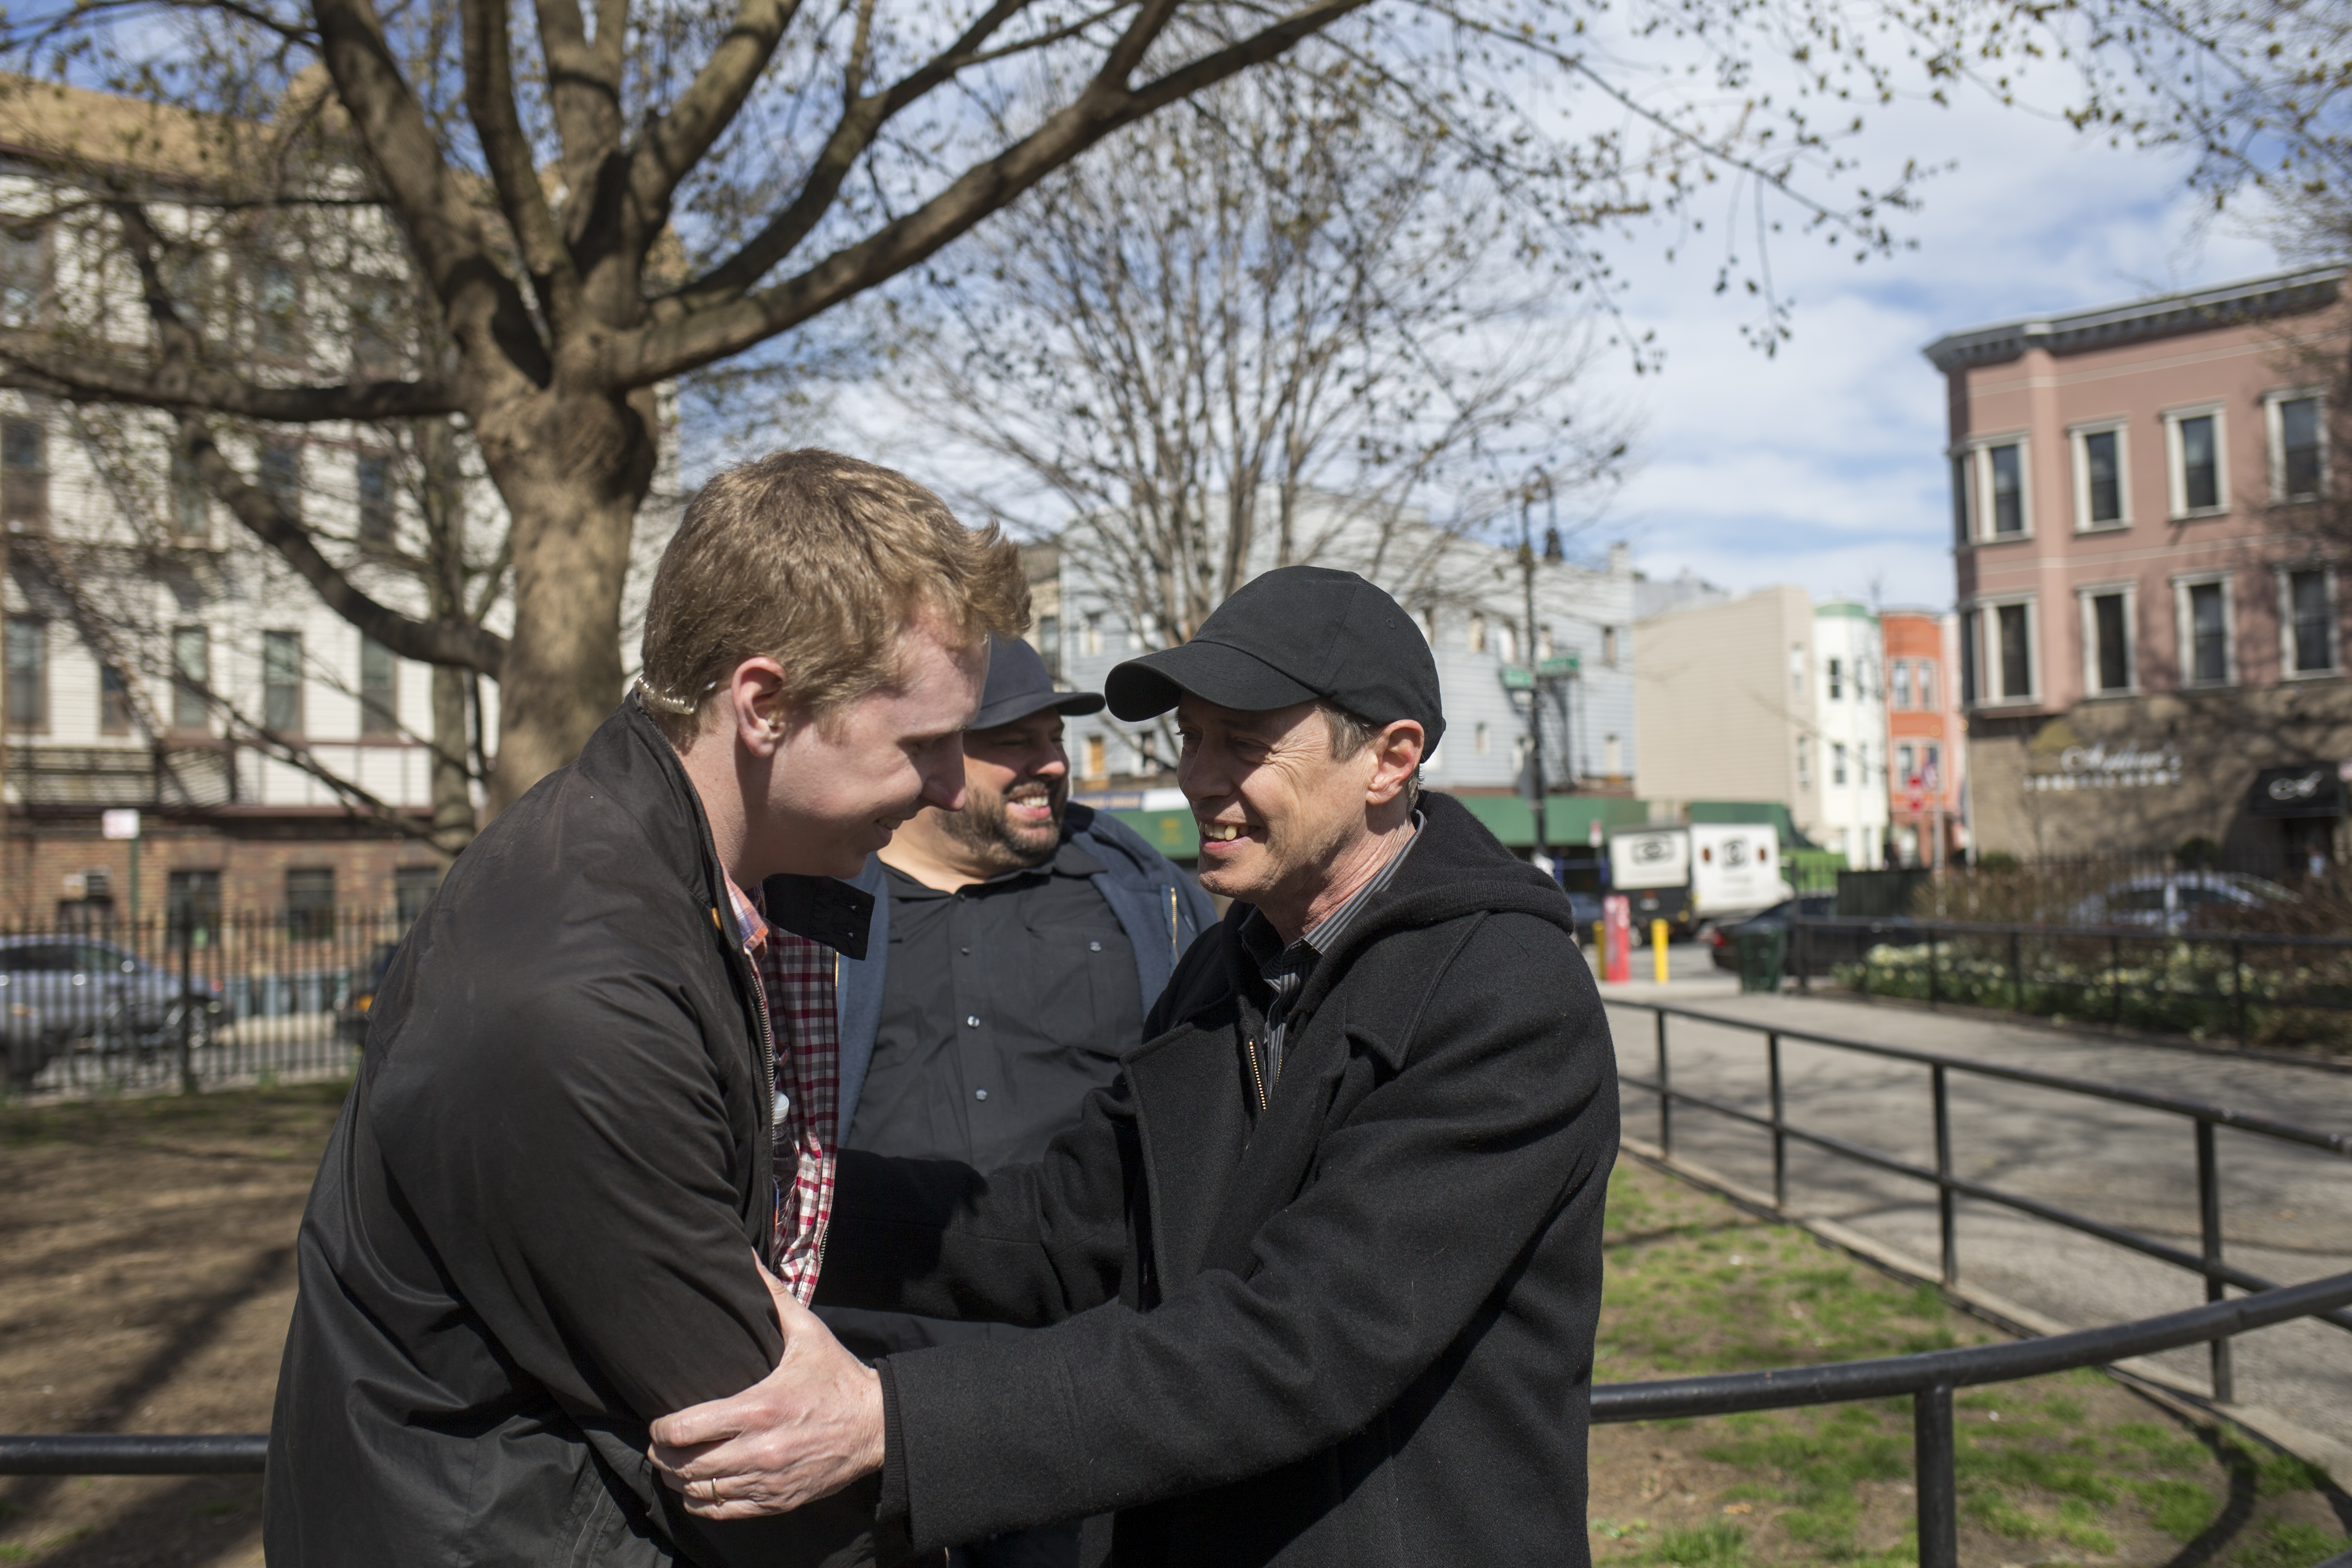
point(796, 982)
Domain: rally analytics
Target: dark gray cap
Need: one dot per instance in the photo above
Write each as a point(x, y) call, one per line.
point(1299, 634)
point(1018, 686)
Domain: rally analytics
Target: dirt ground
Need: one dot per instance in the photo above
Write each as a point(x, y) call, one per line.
point(147, 1284)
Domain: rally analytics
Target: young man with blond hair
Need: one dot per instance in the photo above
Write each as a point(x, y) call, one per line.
point(598, 1095)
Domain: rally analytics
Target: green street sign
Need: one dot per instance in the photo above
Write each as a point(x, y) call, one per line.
point(1566, 664)
point(1519, 677)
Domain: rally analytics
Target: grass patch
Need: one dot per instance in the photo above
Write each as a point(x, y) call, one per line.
point(2072, 1468)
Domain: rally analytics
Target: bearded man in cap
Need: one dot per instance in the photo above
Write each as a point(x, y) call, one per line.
point(1014, 944)
point(1324, 1266)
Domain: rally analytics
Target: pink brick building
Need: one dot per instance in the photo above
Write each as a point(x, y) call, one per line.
point(2146, 529)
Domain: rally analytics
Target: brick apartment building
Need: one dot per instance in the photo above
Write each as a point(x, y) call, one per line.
point(2147, 539)
point(1927, 753)
point(157, 658)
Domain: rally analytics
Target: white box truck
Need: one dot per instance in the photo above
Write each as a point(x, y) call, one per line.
point(1688, 876)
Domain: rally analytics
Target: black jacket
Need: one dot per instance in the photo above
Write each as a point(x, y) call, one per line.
point(533, 1229)
point(1349, 1327)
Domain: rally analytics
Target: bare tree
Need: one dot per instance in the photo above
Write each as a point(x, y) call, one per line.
point(624, 196)
point(1270, 327)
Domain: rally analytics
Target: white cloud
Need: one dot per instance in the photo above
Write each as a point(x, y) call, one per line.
point(1824, 466)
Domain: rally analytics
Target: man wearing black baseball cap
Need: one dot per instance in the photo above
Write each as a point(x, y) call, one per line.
point(1324, 1267)
point(1015, 943)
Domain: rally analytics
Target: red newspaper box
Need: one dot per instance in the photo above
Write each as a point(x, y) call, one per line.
point(1617, 916)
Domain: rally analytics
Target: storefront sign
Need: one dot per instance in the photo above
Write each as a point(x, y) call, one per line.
point(2313, 789)
point(2103, 766)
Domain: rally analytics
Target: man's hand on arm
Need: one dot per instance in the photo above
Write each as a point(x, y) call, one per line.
point(803, 1432)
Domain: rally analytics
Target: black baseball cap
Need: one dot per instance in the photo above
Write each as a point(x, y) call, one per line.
point(1299, 634)
point(1019, 686)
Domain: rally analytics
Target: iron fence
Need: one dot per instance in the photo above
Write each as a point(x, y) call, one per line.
point(2209, 1261)
point(103, 1005)
point(2248, 987)
point(1929, 1380)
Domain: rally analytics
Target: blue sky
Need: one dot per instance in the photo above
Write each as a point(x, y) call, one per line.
point(1822, 466)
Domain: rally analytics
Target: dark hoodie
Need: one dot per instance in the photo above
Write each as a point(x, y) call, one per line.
point(1348, 1325)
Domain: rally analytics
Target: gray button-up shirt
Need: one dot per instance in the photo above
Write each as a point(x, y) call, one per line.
point(1286, 969)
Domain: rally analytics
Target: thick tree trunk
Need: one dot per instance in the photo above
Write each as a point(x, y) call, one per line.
point(572, 469)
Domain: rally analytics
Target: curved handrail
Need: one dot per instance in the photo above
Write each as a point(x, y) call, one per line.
point(1836, 1382)
point(1832, 1383)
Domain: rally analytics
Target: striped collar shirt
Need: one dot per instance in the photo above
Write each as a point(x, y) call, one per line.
point(796, 979)
point(1286, 969)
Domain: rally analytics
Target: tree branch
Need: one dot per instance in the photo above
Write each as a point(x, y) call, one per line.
point(671, 347)
point(490, 103)
point(487, 314)
point(674, 143)
point(35, 364)
point(455, 642)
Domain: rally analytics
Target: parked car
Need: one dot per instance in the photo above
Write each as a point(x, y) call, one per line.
point(2179, 899)
point(63, 992)
point(1723, 940)
point(351, 1018)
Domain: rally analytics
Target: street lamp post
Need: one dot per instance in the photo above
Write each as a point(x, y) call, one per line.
point(1536, 683)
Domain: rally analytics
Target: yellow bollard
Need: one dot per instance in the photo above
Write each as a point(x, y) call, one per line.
point(1601, 942)
point(1658, 949)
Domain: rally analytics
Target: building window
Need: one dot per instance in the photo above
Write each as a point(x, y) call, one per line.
point(2106, 636)
point(2205, 627)
point(1997, 653)
point(379, 701)
point(1931, 767)
point(1837, 762)
point(2298, 449)
point(2308, 601)
point(1804, 764)
point(1613, 756)
point(2008, 467)
point(24, 475)
point(412, 888)
point(29, 673)
point(2016, 651)
point(310, 903)
point(281, 682)
point(1093, 632)
point(1609, 646)
point(1543, 642)
point(1905, 763)
point(1482, 741)
point(2099, 478)
point(1049, 644)
point(280, 475)
point(1899, 684)
point(113, 701)
point(192, 907)
point(1097, 758)
point(376, 334)
point(24, 274)
point(277, 310)
point(192, 677)
point(1923, 675)
point(1506, 639)
point(2198, 480)
point(1478, 633)
point(192, 511)
point(375, 502)
point(1837, 679)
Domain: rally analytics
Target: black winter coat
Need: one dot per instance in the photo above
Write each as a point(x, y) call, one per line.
point(1349, 1327)
point(533, 1230)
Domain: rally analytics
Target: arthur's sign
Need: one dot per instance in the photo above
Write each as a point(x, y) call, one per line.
point(2104, 766)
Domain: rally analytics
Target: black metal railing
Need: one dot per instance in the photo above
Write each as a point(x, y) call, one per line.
point(98, 1004)
point(2248, 987)
point(1928, 1380)
point(2209, 1261)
